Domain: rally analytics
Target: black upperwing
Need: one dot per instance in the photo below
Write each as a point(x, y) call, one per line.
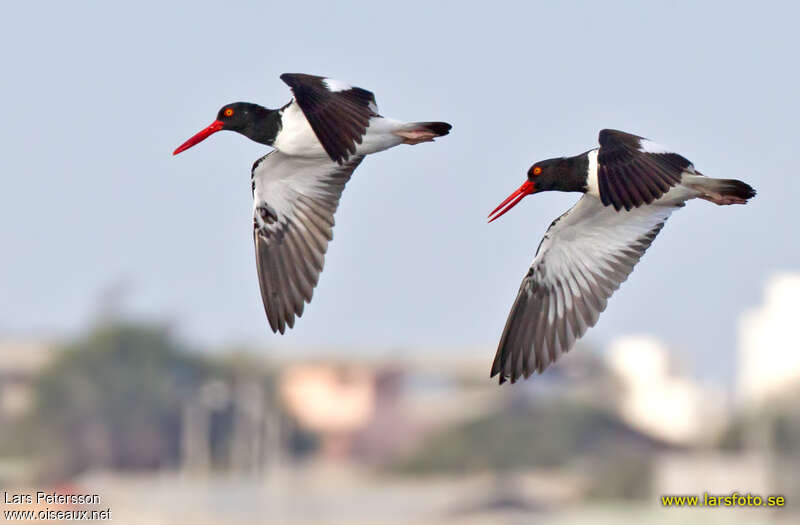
point(339, 117)
point(633, 170)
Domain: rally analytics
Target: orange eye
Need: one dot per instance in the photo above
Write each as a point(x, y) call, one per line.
point(537, 170)
point(228, 112)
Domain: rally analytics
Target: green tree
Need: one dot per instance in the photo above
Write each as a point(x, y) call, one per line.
point(114, 399)
point(553, 433)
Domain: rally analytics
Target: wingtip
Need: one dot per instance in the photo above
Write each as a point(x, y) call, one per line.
point(276, 325)
point(501, 379)
point(287, 78)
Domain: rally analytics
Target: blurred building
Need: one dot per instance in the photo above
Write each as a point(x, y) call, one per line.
point(658, 399)
point(769, 348)
point(333, 400)
point(21, 361)
point(372, 411)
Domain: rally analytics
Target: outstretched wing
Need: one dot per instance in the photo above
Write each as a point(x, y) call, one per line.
point(632, 170)
point(582, 259)
point(294, 200)
point(338, 113)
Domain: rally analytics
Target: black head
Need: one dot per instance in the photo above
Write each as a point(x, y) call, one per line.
point(550, 174)
point(559, 174)
point(239, 116)
point(251, 120)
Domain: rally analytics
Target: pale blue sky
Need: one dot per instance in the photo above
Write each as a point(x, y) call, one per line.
point(96, 97)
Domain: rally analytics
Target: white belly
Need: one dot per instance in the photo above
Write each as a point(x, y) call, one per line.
point(380, 136)
point(677, 195)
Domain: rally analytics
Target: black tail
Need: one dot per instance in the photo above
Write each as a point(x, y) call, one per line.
point(734, 188)
point(722, 191)
point(439, 128)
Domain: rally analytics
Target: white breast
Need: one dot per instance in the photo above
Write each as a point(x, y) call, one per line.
point(296, 136)
point(591, 175)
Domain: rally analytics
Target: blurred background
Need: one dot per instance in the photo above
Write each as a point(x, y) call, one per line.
point(135, 359)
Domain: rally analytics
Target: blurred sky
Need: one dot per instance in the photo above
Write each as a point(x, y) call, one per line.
point(96, 97)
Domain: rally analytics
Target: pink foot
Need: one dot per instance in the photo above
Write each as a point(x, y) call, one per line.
point(723, 200)
point(416, 136)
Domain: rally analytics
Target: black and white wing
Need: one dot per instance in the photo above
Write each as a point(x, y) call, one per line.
point(582, 259)
point(633, 170)
point(294, 199)
point(338, 113)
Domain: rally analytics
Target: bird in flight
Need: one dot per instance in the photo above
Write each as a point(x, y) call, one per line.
point(319, 138)
point(630, 187)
